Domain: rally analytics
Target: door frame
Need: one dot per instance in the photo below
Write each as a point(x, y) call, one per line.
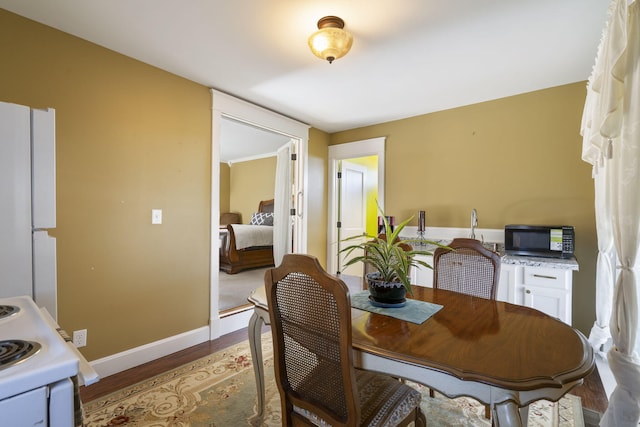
point(351, 150)
point(237, 109)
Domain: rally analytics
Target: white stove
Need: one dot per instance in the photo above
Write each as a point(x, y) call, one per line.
point(36, 367)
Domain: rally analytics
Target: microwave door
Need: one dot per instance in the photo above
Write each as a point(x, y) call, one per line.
point(540, 240)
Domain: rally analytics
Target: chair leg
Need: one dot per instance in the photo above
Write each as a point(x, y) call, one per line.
point(431, 393)
point(421, 420)
point(487, 412)
point(416, 417)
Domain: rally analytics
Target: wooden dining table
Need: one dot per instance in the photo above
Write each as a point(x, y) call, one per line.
point(503, 355)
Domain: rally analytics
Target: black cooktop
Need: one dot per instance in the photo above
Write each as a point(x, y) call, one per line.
point(8, 310)
point(15, 351)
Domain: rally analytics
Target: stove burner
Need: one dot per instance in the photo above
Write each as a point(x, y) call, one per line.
point(8, 310)
point(16, 351)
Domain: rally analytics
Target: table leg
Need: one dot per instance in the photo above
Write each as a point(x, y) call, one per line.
point(507, 414)
point(255, 345)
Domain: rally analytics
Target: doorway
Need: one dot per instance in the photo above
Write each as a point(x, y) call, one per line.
point(358, 152)
point(249, 175)
point(228, 111)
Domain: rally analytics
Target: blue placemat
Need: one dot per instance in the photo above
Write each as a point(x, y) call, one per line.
point(415, 311)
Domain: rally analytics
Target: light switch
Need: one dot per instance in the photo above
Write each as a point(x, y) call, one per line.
point(156, 216)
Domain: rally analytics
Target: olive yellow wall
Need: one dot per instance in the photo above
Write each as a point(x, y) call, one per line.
point(130, 138)
point(251, 182)
point(225, 187)
point(516, 160)
point(317, 191)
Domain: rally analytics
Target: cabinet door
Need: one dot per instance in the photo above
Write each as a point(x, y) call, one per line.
point(507, 283)
point(554, 302)
point(423, 276)
point(413, 276)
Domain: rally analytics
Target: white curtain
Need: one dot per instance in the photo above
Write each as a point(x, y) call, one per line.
point(282, 205)
point(611, 131)
point(600, 336)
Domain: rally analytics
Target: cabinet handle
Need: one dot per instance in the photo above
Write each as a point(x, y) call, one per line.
point(542, 276)
point(299, 203)
point(528, 291)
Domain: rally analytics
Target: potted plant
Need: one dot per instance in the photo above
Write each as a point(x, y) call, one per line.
point(391, 257)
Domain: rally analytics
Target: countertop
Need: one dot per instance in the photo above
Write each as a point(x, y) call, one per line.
point(528, 261)
point(532, 261)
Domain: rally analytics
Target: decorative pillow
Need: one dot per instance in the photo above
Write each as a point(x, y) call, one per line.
point(262, 218)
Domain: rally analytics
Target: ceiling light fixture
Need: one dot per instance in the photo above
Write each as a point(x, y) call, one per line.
point(330, 42)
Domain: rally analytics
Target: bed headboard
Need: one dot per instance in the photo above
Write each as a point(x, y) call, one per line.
point(265, 206)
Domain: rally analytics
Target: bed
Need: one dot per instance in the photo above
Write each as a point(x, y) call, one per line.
point(245, 246)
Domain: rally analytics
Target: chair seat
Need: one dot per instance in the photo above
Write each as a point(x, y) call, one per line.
point(384, 401)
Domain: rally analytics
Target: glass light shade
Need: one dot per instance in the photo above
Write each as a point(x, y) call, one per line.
point(330, 43)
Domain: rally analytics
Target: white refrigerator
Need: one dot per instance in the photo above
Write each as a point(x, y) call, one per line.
point(28, 204)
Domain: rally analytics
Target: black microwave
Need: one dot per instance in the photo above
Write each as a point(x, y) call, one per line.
point(555, 241)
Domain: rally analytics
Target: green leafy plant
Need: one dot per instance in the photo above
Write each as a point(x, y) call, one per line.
point(390, 255)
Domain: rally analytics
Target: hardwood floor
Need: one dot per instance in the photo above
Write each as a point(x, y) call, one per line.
point(139, 373)
point(591, 392)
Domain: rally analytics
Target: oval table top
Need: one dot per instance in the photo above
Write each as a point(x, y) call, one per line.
point(476, 339)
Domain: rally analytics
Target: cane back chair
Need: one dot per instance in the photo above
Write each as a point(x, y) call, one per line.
point(469, 268)
point(310, 316)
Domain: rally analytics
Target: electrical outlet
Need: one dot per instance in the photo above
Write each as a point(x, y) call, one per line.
point(80, 338)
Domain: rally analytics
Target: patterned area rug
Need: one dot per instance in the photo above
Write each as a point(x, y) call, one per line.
point(219, 391)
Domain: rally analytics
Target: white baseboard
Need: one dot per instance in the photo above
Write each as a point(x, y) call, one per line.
point(145, 353)
point(234, 322)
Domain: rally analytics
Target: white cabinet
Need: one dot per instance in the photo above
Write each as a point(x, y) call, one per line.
point(505, 291)
point(546, 289)
point(554, 302)
point(422, 276)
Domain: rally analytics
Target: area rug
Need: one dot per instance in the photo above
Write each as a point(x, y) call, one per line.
point(219, 391)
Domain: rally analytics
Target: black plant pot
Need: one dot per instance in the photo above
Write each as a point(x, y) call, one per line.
point(385, 294)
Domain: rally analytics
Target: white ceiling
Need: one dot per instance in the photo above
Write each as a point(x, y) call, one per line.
point(409, 57)
point(242, 142)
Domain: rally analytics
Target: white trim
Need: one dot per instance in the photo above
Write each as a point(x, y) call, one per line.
point(146, 353)
point(234, 322)
point(488, 235)
point(257, 116)
point(250, 158)
point(364, 148)
point(244, 112)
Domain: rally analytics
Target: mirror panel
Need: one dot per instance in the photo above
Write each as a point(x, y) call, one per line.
point(247, 176)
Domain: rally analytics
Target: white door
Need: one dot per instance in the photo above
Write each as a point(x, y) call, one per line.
point(352, 211)
point(351, 150)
